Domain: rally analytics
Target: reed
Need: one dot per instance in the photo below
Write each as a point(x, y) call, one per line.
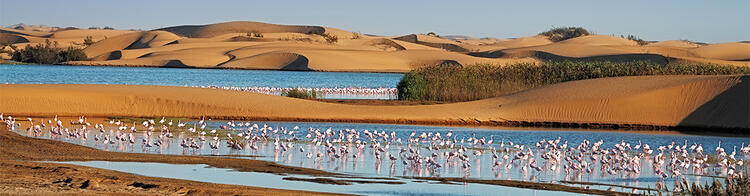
point(456, 83)
point(300, 93)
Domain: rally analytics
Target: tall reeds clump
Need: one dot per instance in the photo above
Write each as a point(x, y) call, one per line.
point(736, 186)
point(300, 93)
point(455, 83)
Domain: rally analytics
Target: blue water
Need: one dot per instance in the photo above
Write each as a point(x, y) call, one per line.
point(205, 173)
point(51, 74)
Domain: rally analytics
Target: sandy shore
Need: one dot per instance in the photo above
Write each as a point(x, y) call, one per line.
point(717, 102)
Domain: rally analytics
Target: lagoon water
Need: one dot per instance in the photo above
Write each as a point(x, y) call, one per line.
point(366, 164)
point(54, 74)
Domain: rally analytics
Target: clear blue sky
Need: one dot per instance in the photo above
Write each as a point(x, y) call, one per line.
point(706, 21)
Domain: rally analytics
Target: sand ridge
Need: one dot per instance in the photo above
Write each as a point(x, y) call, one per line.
point(672, 101)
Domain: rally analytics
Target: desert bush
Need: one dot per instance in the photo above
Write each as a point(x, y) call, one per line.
point(456, 83)
point(356, 35)
point(88, 41)
point(255, 34)
point(638, 40)
point(557, 34)
point(300, 93)
point(48, 53)
point(331, 39)
point(108, 28)
point(72, 54)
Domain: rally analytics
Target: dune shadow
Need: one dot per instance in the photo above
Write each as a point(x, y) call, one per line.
point(299, 64)
point(175, 64)
point(546, 56)
point(445, 46)
point(728, 112)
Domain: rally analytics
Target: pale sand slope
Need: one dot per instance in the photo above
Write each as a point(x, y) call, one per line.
point(699, 101)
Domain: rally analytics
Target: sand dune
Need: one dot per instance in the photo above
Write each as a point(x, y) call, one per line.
point(23, 32)
point(12, 38)
point(433, 41)
point(255, 45)
point(695, 101)
point(675, 43)
point(211, 30)
point(597, 47)
point(735, 51)
point(97, 34)
point(600, 40)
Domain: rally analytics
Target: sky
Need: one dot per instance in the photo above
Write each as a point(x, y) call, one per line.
point(703, 21)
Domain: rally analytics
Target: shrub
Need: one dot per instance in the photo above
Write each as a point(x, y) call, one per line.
point(88, 41)
point(454, 83)
point(640, 41)
point(48, 53)
point(557, 34)
point(255, 34)
point(356, 35)
point(331, 39)
point(72, 54)
point(300, 93)
point(108, 28)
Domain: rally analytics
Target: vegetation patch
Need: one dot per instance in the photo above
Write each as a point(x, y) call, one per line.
point(735, 186)
point(557, 34)
point(48, 53)
point(456, 83)
point(636, 39)
point(300, 93)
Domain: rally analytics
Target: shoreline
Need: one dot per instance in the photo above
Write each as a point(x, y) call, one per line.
point(188, 67)
point(216, 67)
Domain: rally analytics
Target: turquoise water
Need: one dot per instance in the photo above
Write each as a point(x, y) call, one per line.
point(52, 74)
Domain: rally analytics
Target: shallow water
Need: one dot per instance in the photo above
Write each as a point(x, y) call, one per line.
point(206, 173)
point(51, 74)
point(367, 164)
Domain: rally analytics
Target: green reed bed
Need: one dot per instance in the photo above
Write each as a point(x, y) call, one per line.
point(301, 93)
point(466, 83)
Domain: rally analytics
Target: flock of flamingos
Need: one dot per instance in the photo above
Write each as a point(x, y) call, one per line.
point(345, 91)
point(426, 150)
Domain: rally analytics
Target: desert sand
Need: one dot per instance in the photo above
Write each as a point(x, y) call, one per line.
point(256, 45)
point(664, 101)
